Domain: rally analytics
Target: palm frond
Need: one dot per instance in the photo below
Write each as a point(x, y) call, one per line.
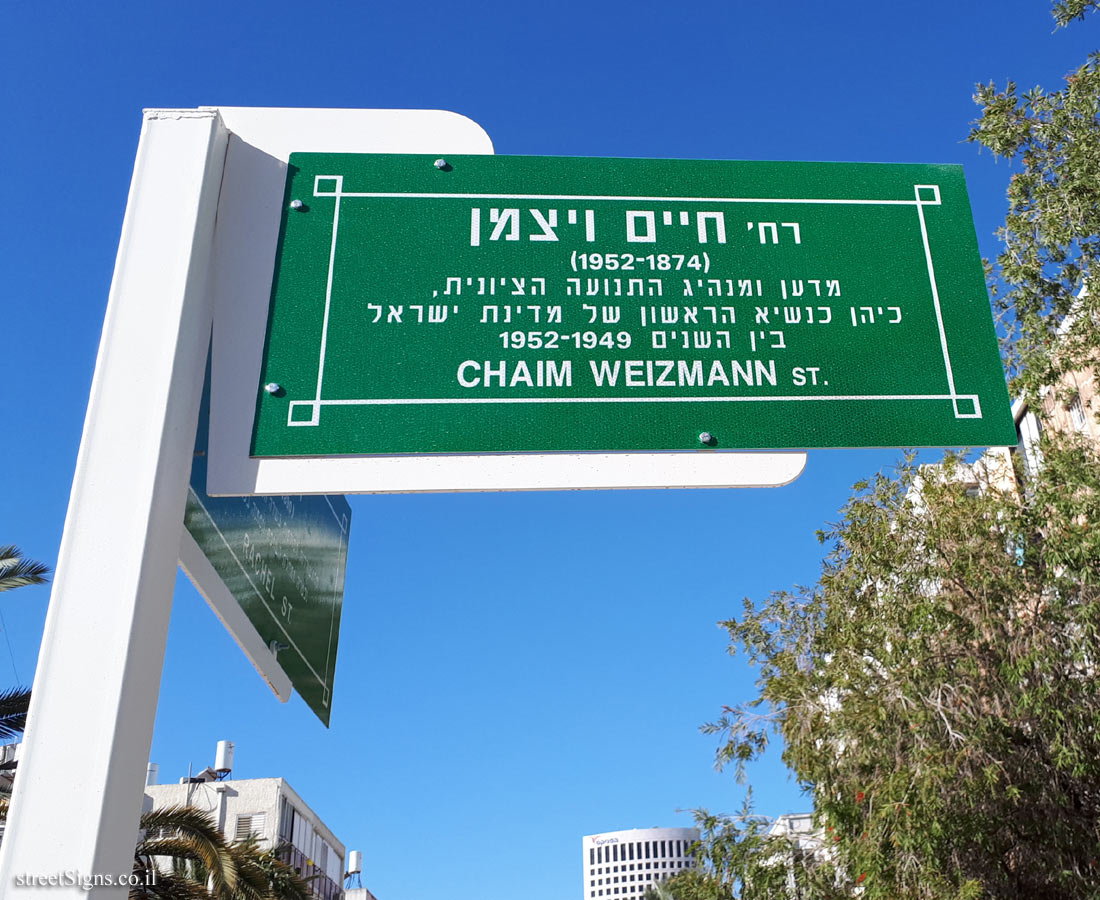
point(193, 861)
point(264, 876)
point(18, 571)
point(195, 836)
point(157, 885)
point(177, 847)
point(13, 711)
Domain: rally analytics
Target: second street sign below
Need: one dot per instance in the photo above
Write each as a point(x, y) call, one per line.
point(507, 304)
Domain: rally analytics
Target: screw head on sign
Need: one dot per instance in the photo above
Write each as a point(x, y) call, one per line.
point(441, 163)
point(706, 438)
point(273, 387)
point(296, 204)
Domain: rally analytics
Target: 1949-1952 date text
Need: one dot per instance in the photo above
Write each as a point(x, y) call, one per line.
point(554, 340)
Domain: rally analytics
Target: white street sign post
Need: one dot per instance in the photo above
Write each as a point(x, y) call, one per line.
point(86, 746)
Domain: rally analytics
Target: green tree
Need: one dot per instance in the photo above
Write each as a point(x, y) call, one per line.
point(688, 884)
point(936, 691)
point(1068, 10)
point(740, 857)
point(1046, 293)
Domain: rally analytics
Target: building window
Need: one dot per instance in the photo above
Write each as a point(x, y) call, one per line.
point(1077, 414)
point(286, 821)
point(251, 825)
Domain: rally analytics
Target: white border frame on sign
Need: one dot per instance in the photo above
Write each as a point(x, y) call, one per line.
point(338, 193)
point(249, 212)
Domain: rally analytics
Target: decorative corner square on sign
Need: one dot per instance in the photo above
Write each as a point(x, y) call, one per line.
point(302, 412)
point(928, 194)
point(967, 407)
point(328, 185)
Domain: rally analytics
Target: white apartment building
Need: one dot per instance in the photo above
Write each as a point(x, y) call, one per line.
point(799, 830)
point(622, 864)
point(271, 810)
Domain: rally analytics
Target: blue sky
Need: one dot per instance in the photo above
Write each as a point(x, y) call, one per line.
point(516, 670)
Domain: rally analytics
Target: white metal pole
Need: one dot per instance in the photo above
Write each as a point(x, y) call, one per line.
point(74, 813)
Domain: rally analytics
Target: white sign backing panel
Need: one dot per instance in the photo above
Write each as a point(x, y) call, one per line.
point(249, 212)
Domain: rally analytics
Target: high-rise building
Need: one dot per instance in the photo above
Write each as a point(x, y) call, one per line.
point(622, 864)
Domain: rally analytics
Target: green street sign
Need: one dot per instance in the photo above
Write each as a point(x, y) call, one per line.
point(507, 304)
point(283, 559)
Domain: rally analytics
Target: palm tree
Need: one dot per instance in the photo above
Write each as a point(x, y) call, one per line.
point(15, 571)
point(262, 875)
point(182, 856)
point(18, 571)
point(197, 861)
point(13, 711)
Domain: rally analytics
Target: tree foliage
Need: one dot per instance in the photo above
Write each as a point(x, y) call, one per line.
point(18, 571)
point(739, 857)
point(15, 571)
point(1046, 293)
point(1068, 10)
point(181, 855)
point(14, 704)
point(937, 691)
